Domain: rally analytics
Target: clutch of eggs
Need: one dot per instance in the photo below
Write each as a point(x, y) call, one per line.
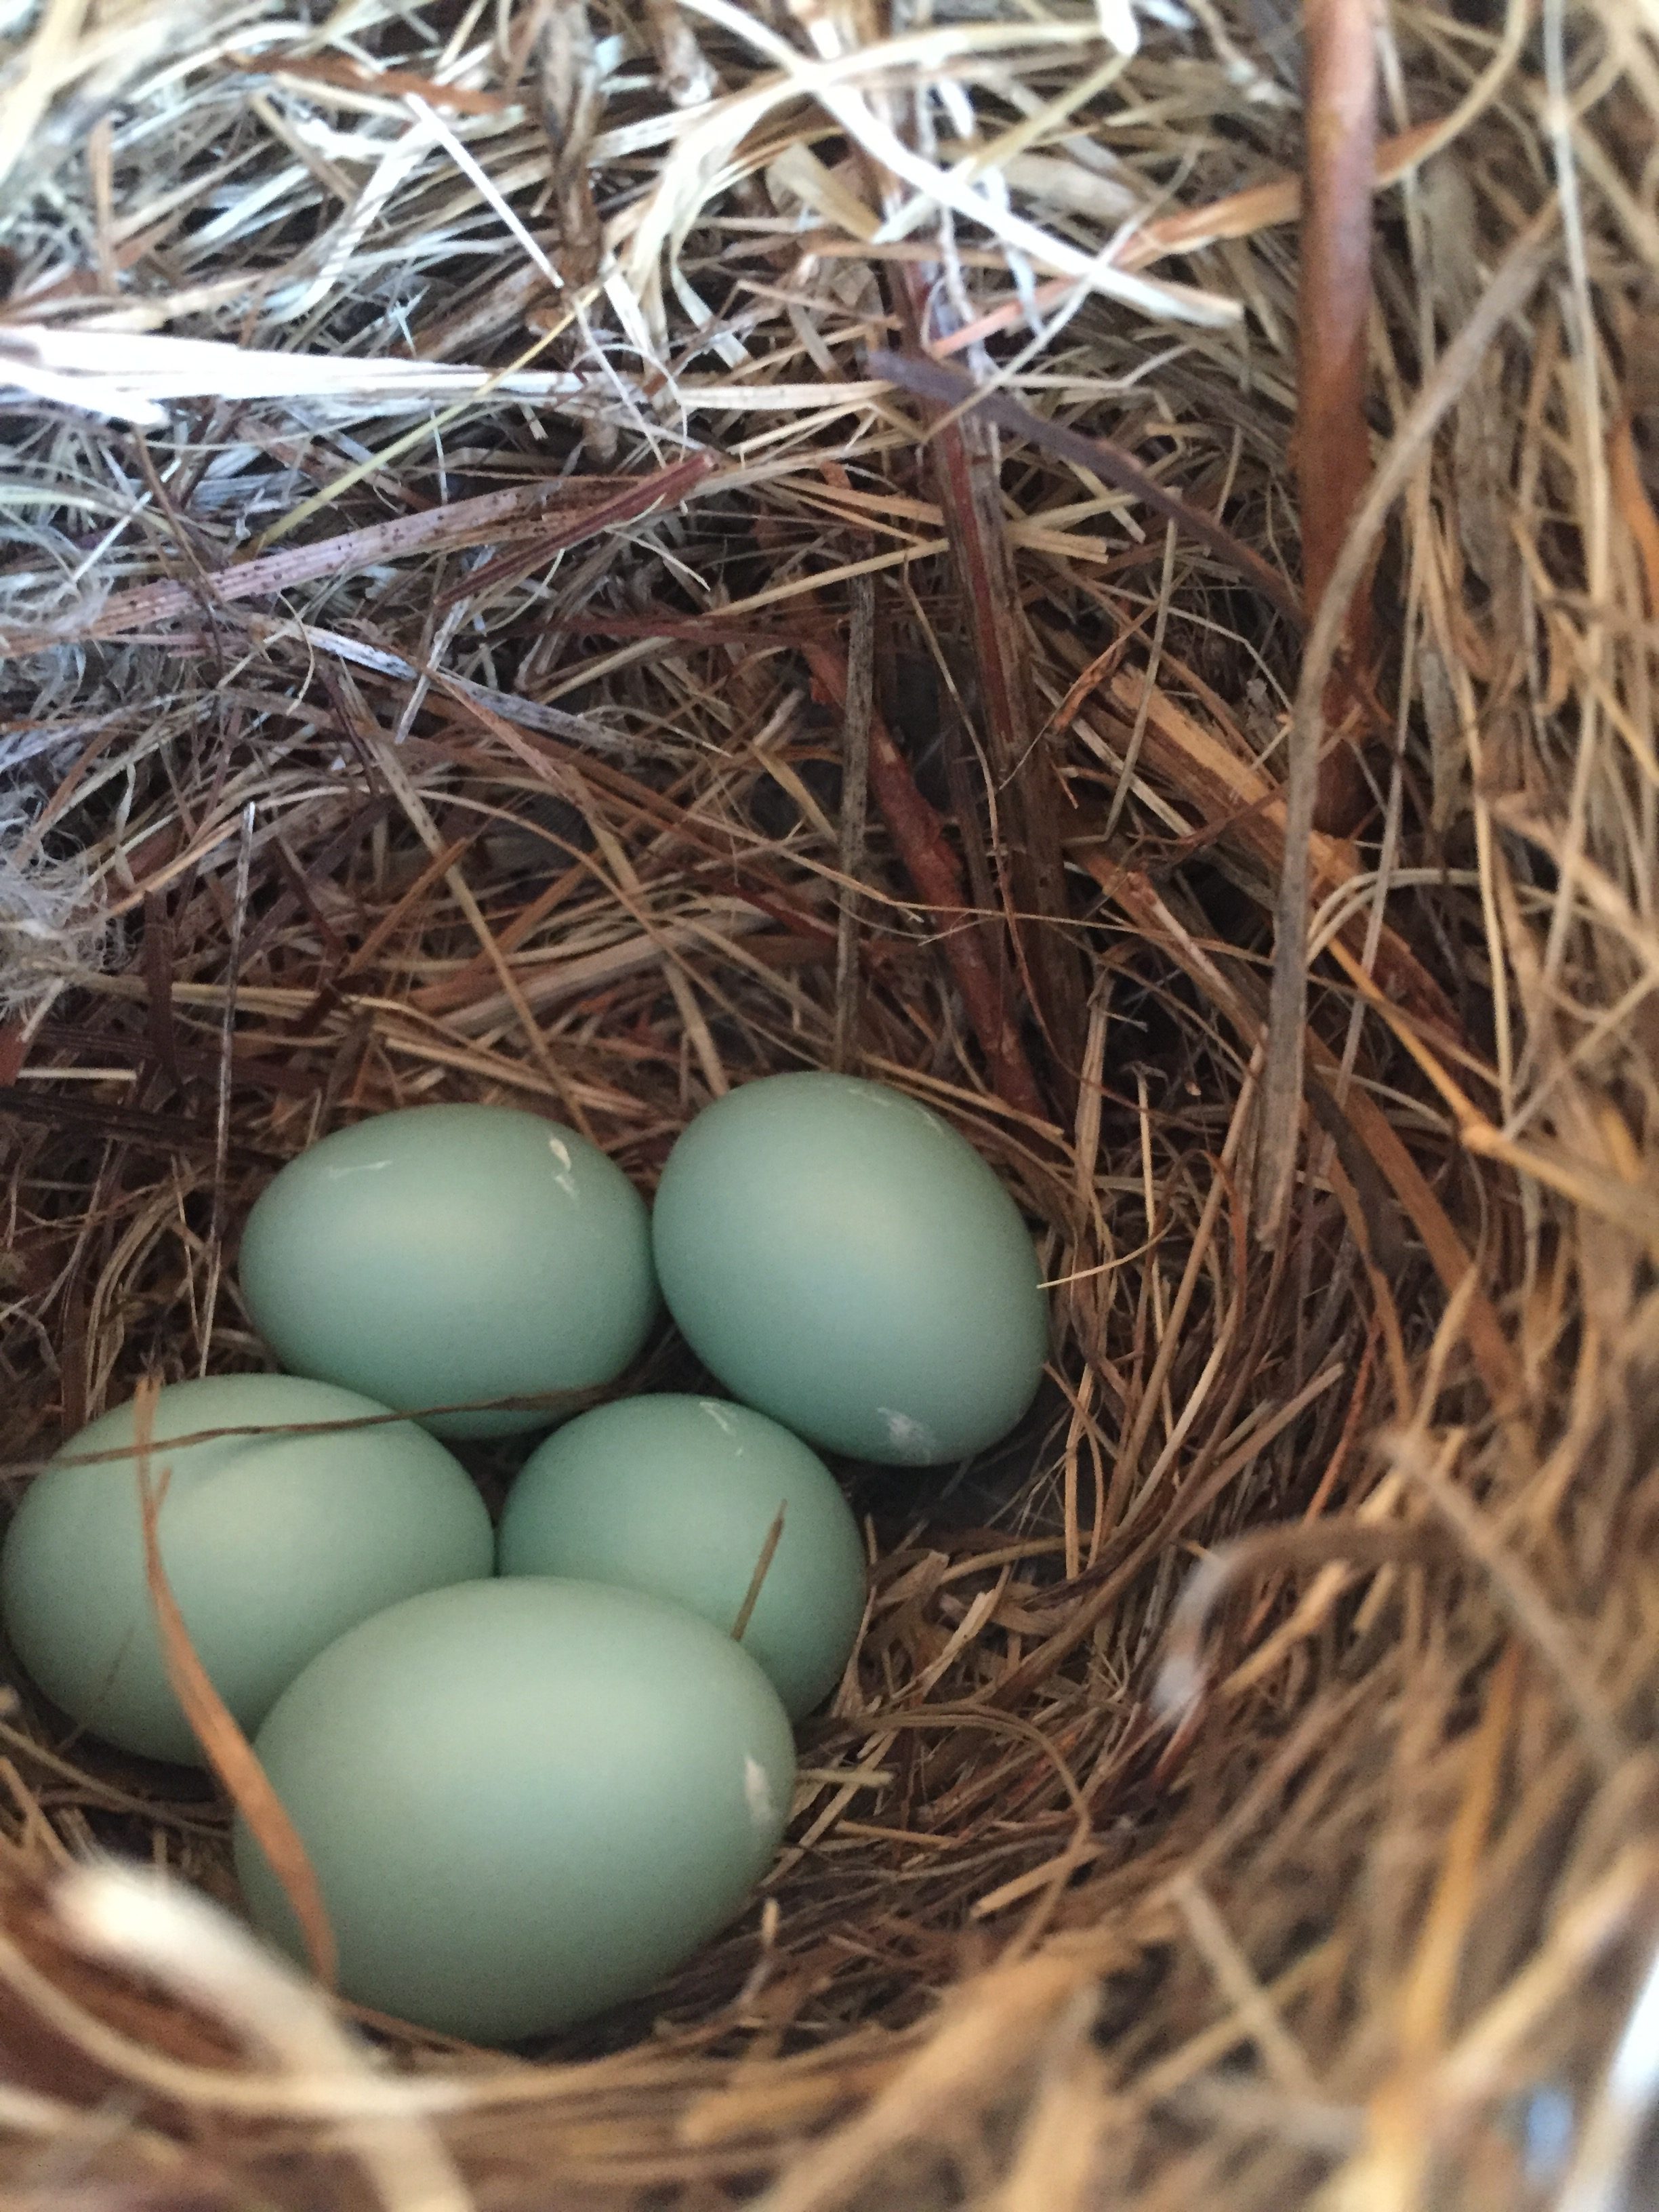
point(529, 1797)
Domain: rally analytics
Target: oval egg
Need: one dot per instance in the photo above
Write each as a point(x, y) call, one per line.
point(445, 1254)
point(844, 1261)
point(272, 1543)
point(679, 1496)
point(523, 1801)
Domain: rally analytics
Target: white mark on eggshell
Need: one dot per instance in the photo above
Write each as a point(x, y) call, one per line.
point(719, 1414)
point(911, 1438)
point(881, 1100)
point(357, 1167)
point(565, 1179)
point(757, 1789)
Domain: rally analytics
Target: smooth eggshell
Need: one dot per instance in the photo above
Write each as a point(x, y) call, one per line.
point(679, 1496)
point(524, 1801)
point(446, 1254)
point(843, 1261)
point(272, 1545)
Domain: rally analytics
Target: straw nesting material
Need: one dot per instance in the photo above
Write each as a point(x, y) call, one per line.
point(478, 623)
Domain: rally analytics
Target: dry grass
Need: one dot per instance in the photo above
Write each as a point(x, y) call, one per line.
point(461, 583)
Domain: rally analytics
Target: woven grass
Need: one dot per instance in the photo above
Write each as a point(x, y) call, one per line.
point(478, 624)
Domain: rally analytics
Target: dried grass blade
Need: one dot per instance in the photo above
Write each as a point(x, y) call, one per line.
point(1190, 1500)
point(953, 387)
point(166, 1933)
point(769, 1551)
point(1605, 1740)
point(919, 832)
point(227, 1750)
point(358, 76)
point(1362, 1119)
point(990, 2027)
point(1510, 288)
point(1240, 214)
point(481, 521)
point(46, 64)
point(1274, 201)
point(1625, 473)
point(967, 476)
point(1491, 1349)
point(1239, 804)
point(102, 366)
point(1332, 435)
point(1428, 2003)
point(1183, 1668)
point(857, 716)
point(657, 494)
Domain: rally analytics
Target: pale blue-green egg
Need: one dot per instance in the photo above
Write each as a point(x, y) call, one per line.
point(679, 1496)
point(843, 1261)
point(523, 1801)
point(448, 1253)
point(272, 1543)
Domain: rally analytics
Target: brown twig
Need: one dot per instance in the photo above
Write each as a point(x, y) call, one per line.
point(485, 520)
point(952, 387)
point(858, 715)
point(967, 476)
point(918, 830)
point(658, 493)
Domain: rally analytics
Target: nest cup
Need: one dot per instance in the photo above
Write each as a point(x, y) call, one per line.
point(504, 597)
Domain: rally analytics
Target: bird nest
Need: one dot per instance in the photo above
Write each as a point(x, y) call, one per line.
point(1099, 569)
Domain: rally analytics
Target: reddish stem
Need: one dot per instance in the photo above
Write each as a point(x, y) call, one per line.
point(918, 830)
